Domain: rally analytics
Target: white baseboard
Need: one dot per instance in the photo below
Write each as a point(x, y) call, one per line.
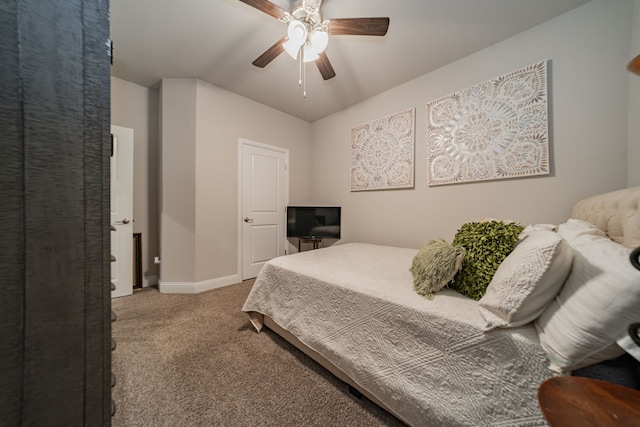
point(149, 281)
point(197, 287)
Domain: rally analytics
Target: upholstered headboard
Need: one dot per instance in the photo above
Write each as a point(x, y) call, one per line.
point(617, 213)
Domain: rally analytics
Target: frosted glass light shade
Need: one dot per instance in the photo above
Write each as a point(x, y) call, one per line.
point(319, 40)
point(310, 54)
point(297, 32)
point(292, 48)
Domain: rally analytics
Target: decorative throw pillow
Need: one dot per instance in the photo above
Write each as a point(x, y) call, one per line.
point(434, 266)
point(527, 280)
point(487, 244)
point(576, 230)
point(598, 301)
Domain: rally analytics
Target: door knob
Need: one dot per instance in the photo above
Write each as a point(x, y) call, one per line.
point(124, 221)
point(247, 219)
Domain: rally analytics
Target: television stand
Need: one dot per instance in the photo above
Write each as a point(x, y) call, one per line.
point(314, 240)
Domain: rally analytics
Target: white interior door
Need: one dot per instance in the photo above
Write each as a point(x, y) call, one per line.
point(265, 194)
point(122, 211)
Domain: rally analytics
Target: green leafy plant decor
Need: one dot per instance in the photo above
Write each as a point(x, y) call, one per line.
point(487, 244)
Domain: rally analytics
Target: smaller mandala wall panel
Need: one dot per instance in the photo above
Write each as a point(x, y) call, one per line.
point(382, 153)
point(494, 130)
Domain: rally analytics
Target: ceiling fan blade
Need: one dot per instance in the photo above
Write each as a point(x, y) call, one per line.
point(270, 54)
point(634, 65)
point(359, 26)
point(324, 66)
point(267, 7)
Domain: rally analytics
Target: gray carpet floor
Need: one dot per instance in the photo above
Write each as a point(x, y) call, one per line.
point(195, 360)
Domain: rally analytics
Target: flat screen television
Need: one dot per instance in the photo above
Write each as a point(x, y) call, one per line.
point(313, 222)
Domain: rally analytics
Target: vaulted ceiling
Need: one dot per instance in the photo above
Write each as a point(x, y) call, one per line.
point(216, 41)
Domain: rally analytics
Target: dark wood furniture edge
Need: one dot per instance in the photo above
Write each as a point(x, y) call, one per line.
point(568, 401)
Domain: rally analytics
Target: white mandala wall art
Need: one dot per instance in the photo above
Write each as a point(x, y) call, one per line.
point(382, 153)
point(494, 130)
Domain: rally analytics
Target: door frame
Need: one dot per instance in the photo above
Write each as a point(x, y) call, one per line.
point(241, 143)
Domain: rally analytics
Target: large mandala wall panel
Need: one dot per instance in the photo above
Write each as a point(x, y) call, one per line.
point(382, 153)
point(494, 130)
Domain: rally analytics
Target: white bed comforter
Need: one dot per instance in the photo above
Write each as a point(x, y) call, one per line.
point(427, 360)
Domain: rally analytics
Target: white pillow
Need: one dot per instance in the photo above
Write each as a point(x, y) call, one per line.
point(527, 280)
point(577, 230)
point(598, 301)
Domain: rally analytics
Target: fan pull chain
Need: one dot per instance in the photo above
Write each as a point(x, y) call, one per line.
point(300, 68)
point(302, 73)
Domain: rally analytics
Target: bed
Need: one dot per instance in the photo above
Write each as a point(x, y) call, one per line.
point(445, 361)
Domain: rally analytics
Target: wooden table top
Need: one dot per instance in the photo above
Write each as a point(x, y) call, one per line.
point(579, 401)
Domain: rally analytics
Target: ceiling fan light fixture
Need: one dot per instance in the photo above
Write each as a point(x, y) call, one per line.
point(297, 36)
point(308, 35)
point(297, 32)
point(311, 6)
point(319, 40)
point(292, 48)
point(310, 54)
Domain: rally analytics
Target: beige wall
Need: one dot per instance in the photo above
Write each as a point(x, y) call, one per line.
point(178, 180)
point(136, 107)
point(222, 118)
point(588, 49)
point(200, 126)
point(634, 104)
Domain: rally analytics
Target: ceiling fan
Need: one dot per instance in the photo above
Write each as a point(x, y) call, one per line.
point(308, 35)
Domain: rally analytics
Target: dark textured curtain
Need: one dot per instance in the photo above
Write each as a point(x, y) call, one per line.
point(54, 213)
